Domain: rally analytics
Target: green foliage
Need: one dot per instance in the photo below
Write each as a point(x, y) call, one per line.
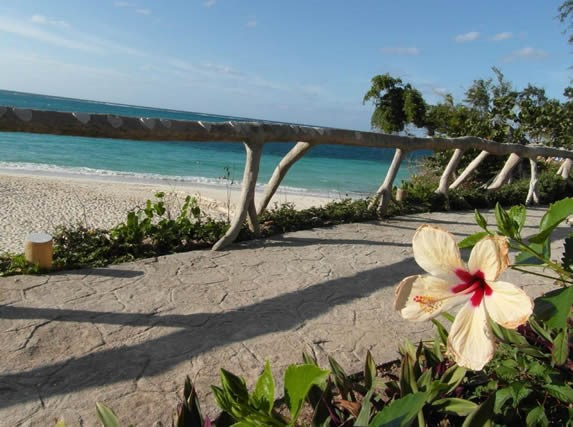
point(16, 264)
point(396, 104)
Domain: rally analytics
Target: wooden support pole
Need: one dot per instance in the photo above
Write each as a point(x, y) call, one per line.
point(565, 168)
point(280, 171)
point(469, 169)
point(246, 203)
point(502, 177)
point(38, 249)
point(384, 193)
point(450, 169)
point(533, 193)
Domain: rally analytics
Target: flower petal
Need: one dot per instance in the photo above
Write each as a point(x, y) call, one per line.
point(508, 305)
point(490, 257)
point(423, 297)
point(470, 341)
point(436, 252)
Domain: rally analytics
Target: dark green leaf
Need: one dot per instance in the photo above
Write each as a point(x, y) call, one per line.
point(453, 376)
point(519, 392)
point(453, 405)
point(518, 214)
point(561, 392)
point(408, 382)
point(505, 224)
point(482, 415)
point(557, 213)
point(471, 241)
point(400, 412)
point(298, 381)
point(501, 396)
point(560, 348)
point(554, 307)
point(234, 386)
point(480, 220)
point(537, 417)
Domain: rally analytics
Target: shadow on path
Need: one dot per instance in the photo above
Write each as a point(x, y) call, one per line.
point(195, 334)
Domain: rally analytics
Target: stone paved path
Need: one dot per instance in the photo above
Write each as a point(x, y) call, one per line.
point(127, 335)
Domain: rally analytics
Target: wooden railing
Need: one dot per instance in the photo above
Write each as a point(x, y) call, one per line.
point(255, 134)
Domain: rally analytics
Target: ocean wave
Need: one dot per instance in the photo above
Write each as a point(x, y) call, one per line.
point(44, 169)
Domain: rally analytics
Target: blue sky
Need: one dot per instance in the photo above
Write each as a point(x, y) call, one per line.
point(303, 61)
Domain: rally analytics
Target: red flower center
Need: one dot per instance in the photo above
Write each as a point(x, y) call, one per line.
point(472, 283)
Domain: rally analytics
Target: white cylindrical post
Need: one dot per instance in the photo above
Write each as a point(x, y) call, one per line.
point(38, 249)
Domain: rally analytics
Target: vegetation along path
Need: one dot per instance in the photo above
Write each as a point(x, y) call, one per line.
point(127, 335)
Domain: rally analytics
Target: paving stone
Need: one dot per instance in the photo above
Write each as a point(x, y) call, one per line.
point(128, 335)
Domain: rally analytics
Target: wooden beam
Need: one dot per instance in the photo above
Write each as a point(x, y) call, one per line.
point(384, 193)
point(448, 171)
point(469, 169)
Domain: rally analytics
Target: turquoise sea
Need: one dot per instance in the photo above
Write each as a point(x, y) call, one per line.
point(325, 169)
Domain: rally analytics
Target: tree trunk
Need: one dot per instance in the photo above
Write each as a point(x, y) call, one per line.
point(246, 203)
point(450, 168)
point(505, 172)
point(532, 194)
point(469, 169)
point(280, 171)
point(384, 193)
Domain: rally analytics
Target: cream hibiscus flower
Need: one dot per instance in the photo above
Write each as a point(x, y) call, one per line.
point(450, 283)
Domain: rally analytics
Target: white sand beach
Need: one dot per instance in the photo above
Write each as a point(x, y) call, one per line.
point(32, 203)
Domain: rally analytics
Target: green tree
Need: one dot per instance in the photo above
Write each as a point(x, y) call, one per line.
point(395, 104)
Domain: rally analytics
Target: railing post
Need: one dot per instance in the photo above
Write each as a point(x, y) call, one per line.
point(565, 168)
point(384, 193)
point(532, 194)
point(247, 202)
point(469, 169)
point(280, 171)
point(501, 178)
point(450, 168)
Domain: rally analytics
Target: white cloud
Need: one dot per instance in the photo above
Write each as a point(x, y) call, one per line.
point(146, 12)
point(42, 20)
point(526, 53)
point(209, 3)
point(467, 37)
point(72, 40)
point(252, 23)
point(502, 36)
point(400, 50)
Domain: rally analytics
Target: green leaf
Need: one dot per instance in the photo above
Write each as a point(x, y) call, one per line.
point(567, 258)
point(369, 371)
point(518, 214)
point(60, 423)
point(562, 392)
point(454, 405)
point(482, 415)
point(560, 348)
point(480, 220)
point(471, 241)
point(407, 377)
point(519, 392)
point(537, 417)
point(364, 415)
point(501, 396)
point(234, 386)
point(106, 416)
point(554, 307)
point(453, 376)
point(400, 412)
point(505, 224)
point(557, 213)
point(298, 381)
point(265, 389)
